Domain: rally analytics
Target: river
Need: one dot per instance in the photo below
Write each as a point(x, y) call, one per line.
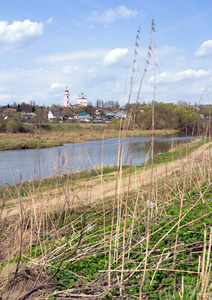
point(30, 164)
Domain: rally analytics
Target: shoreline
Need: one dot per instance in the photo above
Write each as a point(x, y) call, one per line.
point(89, 181)
point(171, 156)
point(62, 135)
point(81, 214)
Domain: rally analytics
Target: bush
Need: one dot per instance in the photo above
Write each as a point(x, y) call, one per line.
point(11, 126)
point(2, 126)
point(15, 126)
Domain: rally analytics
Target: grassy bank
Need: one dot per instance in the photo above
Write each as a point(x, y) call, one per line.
point(51, 135)
point(151, 243)
point(104, 174)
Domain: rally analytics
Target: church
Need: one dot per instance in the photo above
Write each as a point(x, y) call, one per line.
point(81, 100)
point(66, 98)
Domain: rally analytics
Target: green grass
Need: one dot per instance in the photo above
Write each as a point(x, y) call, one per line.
point(25, 188)
point(174, 247)
point(179, 152)
point(196, 218)
point(51, 183)
point(53, 135)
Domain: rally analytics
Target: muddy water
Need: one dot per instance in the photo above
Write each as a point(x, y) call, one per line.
point(16, 165)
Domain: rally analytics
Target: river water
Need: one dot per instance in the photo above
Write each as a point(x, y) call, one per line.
point(30, 164)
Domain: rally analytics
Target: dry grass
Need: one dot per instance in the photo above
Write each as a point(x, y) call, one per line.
point(150, 239)
point(49, 242)
point(62, 134)
point(121, 246)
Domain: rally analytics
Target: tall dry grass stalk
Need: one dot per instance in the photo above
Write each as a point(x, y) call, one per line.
point(37, 227)
point(59, 234)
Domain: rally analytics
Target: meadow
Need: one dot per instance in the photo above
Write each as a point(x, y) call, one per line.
point(52, 135)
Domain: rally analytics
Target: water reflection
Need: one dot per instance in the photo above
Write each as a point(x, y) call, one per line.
point(43, 163)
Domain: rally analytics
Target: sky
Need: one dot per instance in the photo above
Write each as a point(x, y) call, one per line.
point(88, 46)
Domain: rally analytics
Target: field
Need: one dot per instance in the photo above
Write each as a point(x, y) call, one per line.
point(112, 233)
point(51, 135)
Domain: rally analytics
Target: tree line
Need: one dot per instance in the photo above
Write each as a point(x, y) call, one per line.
point(179, 116)
point(172, 116)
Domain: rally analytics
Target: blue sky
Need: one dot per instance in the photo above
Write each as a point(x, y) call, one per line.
point(88, 46)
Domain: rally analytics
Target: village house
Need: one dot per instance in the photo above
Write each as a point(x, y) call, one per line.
point(83, 116)
point(69, 117)
point(110, 115)
point(2, 108)
point(29, 115)
point(55, 115)
point(120, 115)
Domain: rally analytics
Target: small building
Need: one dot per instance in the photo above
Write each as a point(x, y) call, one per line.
point(82, 100)
point(2, 108)
point(12, 108)
point(83, 116)
point(69, 117)
point(109, 115)
point(120, 115)
point(55, 115)
point(29, 115)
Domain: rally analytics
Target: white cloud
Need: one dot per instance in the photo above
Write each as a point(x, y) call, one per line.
point(50, 20)
point(163, 77)
point(125, 13)
point(91, 70)
point(166, 51)
point(115, 55)
point(204, 50)
point(5, 97)
point(19, 32)
point(56, 86)
point(191, 74)
point(70, 69)
point(167, 77)
point(69, 56)
point(3, 89)
point(110, 15)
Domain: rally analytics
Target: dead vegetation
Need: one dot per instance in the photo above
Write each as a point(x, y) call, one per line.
point(111, 235)
point(149, 237)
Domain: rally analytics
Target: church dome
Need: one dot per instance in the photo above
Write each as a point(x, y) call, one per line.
point(66, 91)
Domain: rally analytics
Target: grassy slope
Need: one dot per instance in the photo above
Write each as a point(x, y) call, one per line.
point(168, 242)
point(78, 179)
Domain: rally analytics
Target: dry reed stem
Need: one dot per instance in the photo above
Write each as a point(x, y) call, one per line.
point(47, 260)
point(120, 243)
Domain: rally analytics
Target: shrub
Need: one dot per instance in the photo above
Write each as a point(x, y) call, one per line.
point(11, 126)
point(14, 126)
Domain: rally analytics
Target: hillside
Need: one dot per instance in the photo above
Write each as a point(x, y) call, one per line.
point(104, 236)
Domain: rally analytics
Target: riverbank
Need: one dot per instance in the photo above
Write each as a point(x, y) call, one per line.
point(82, 235)
point(52, 135)
point(97, 177)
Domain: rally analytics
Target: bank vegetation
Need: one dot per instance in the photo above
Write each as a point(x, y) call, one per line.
point(149, 238)
point(50, 135)
point(149, 242)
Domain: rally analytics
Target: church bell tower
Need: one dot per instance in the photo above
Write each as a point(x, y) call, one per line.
point(66, 98)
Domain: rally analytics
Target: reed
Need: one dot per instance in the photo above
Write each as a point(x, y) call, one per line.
point(68, 244)
point(112, 232)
